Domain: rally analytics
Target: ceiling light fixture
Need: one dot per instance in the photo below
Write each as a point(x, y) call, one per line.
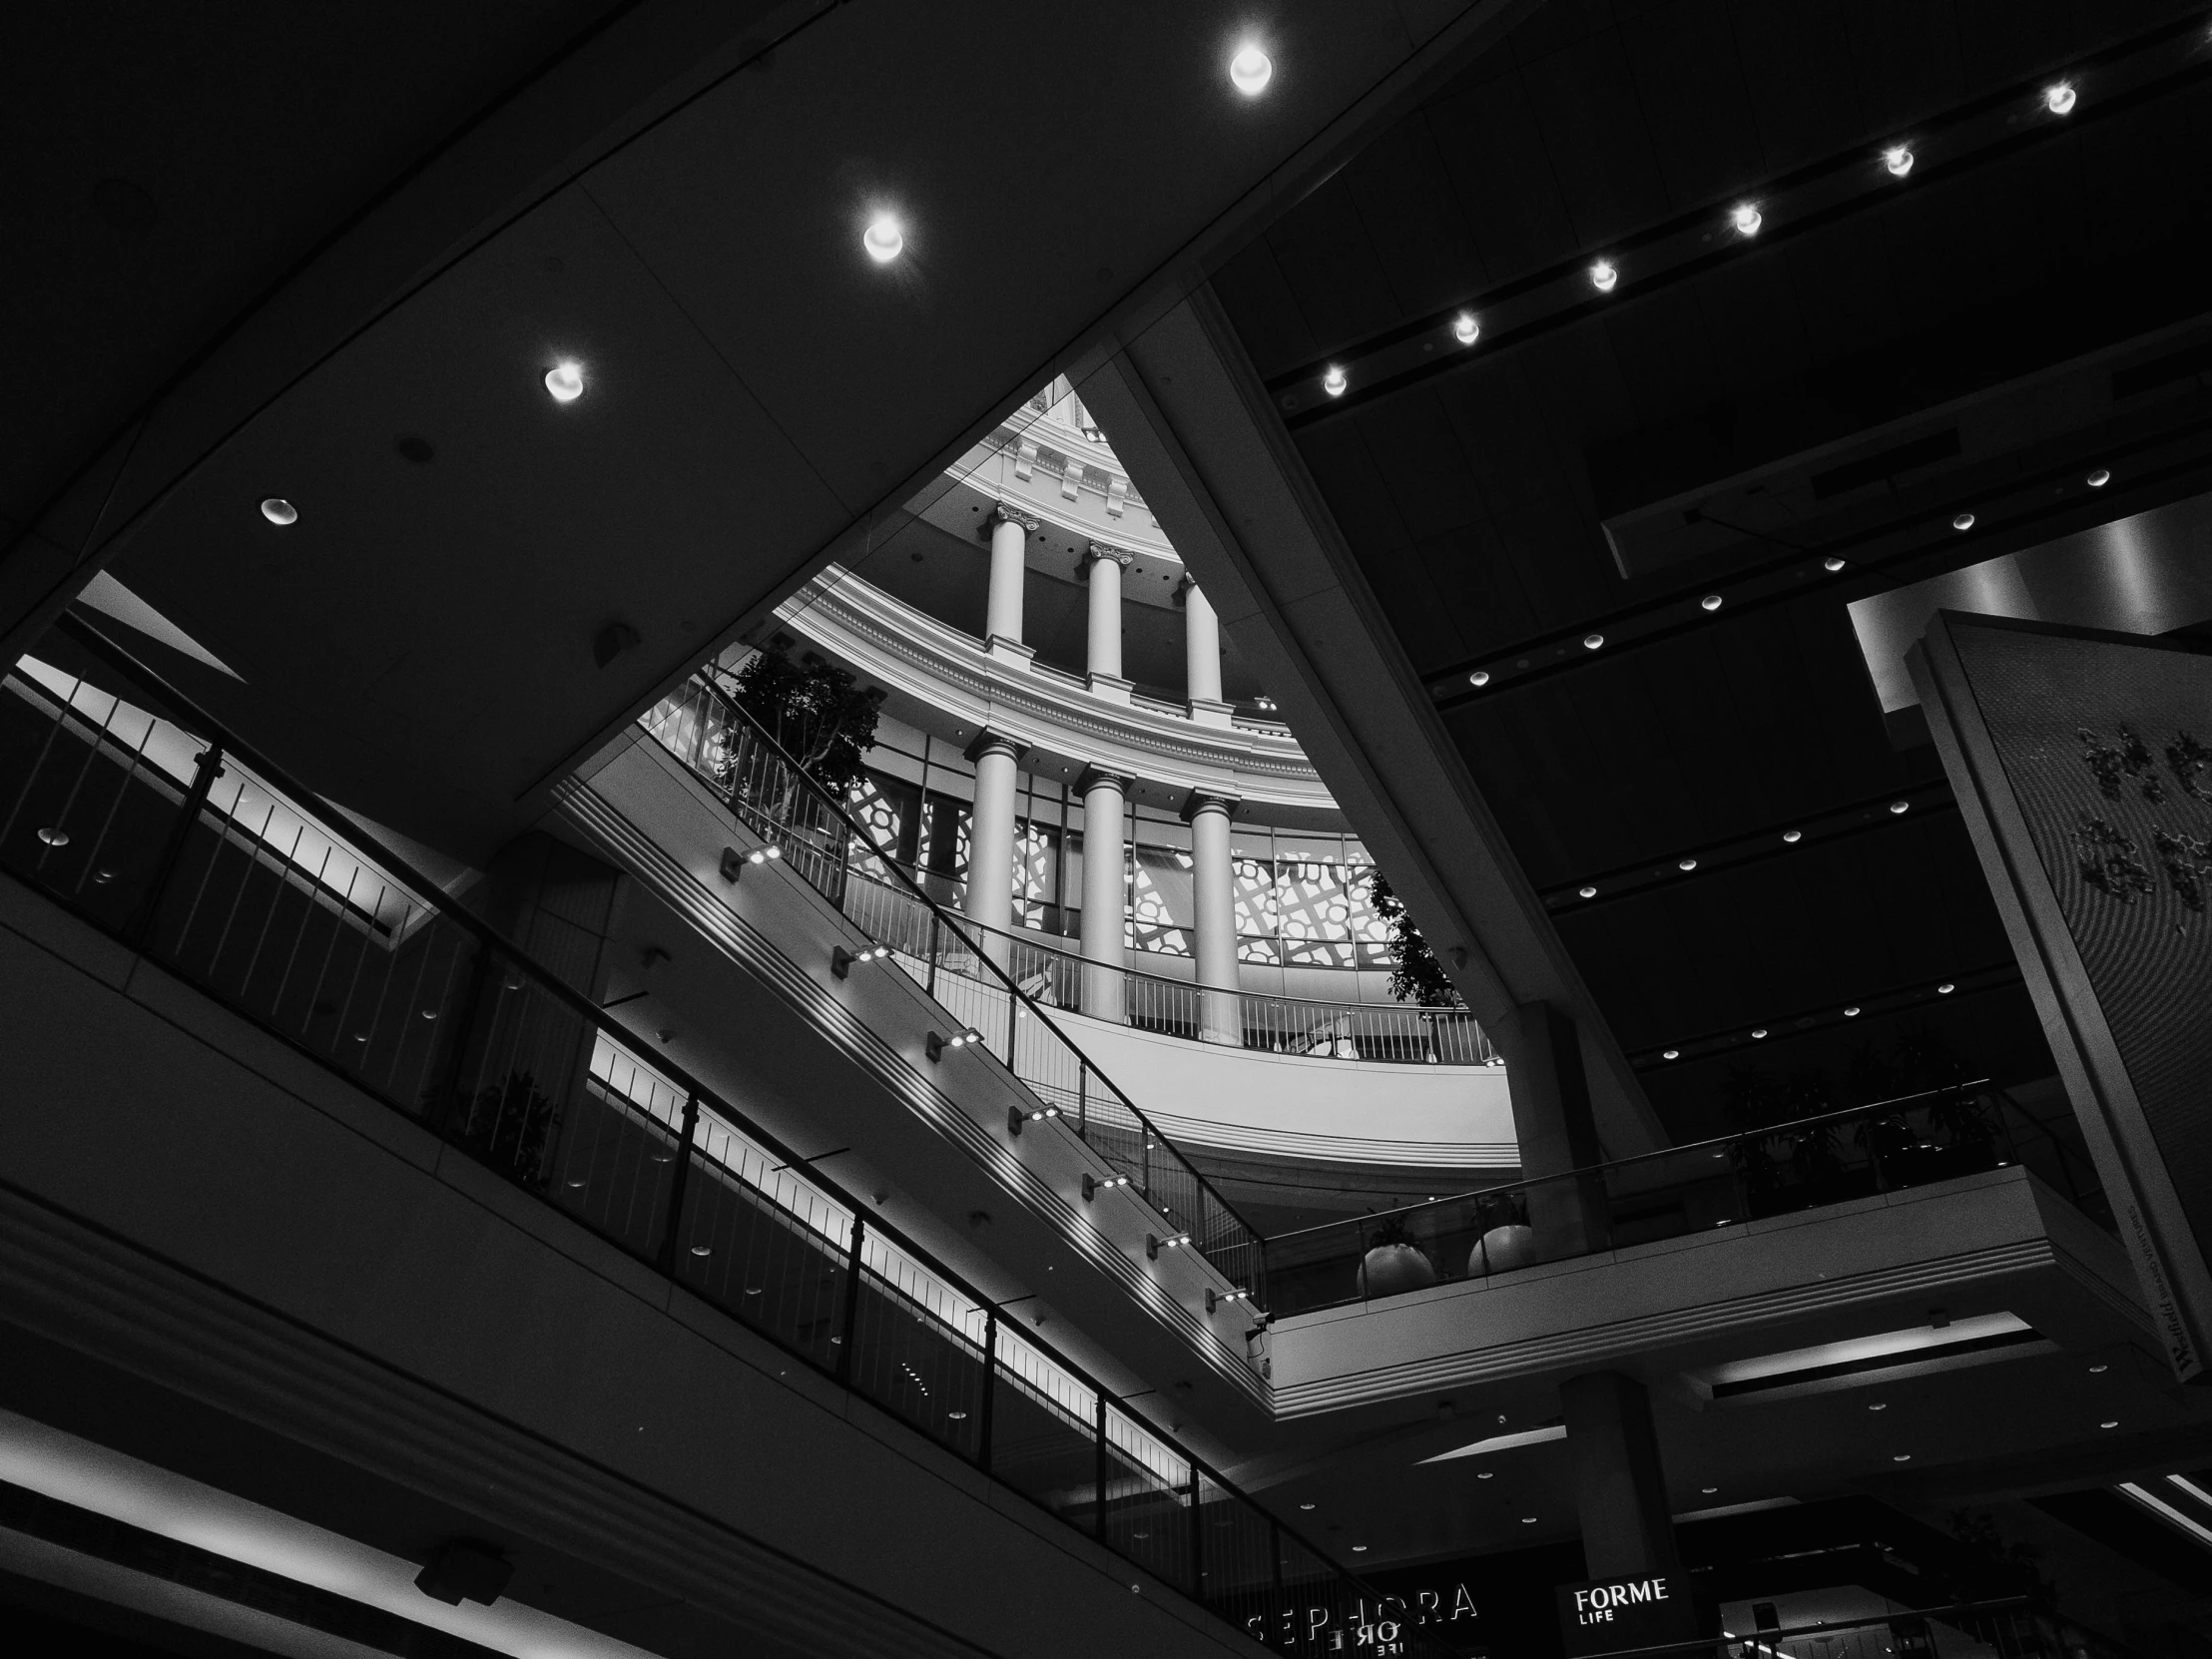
point(1901, 807)
point(1711, 602)
point(1251, 70)
point(1591, 642)
point(1358, 1549)
point(1760, 1032)
point(1901, 1457)
point(1480, 677)
point(1333, 382)
point(1672, 1054)
point(1832, 565)
point(1603, 277)
point(1746, 218)
point(1708, 1490)
point(1878, 1406)
point(1851, 1013)
point(1961, 521)
point(565, 380)
point(2099, 479)
point(1685, 864)
point(2058, 98)
point(1305, 1506)
point(2098, 1369)
point(1528, 1520)
point(1587, 893)
point(2113, 1424)
point(1897, 159)
point(883, 240)
point(1946, 988)
point(1466, 329)
point(1790, 838)
point(279, 511)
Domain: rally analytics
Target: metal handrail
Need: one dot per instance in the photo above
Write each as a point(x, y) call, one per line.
point(168, 703)
point(958, 928)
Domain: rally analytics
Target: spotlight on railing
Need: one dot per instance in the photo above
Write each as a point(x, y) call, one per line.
point(842, 960)
point(1092, 1186)
point(1017, 1117)
point(936, 1045)
point(1153, 1244)
point(1217, 1298)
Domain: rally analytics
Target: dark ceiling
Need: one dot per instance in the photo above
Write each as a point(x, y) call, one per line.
point(1472, 492)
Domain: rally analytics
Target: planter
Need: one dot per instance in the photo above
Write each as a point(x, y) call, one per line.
point(1502, 1250)
point(1394, 1268)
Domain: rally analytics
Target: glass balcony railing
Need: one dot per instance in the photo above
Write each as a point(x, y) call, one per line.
point(968, 971)
point(121, 803)
point(2012, 1627)
point(1832, 1159)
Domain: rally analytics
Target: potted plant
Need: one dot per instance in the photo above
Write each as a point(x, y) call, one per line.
point(1507, 1241)
point(1393, 1264)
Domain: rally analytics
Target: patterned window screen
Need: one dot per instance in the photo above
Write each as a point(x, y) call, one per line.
point(1163, 904)
point(1036, 894)
point(889, 809)
point(1259, 929)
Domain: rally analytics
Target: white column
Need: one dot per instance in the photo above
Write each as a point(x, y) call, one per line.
point(990, 875)
point(1201, 656)
point(1214, 876)
point(1104, 566)
point(1105, 893)
point(1009, 548)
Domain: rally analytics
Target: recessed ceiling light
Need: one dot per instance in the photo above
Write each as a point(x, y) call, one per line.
point(1672, 1054)
point(2058, 98)
point(883, 240)
point(1685, 864)
point(1946, 988)
point(1603, 277)
point(1480, 677)
point(1587, 893)
point(1528, 1520)
point(1251, 70)
point(1901, 1457)
point(1760, 1032)
point(1832, 565)
point(1897, 159)
point(1791, 837)
point(1746, 218)
point(565, 380)
point(1961, 521)
point(1901, 807)
point(1483, 1474)
point(279, 511)
point(1708, 1490)
point(1851, 1013)
point(1878, 1406)
point(1333, 382)
point(2099, 479)
point(1464, 329)
point(2098, 1369)
point(2113, 1424)
point(1358, 1549)
point(1590, 642)
point(1711, 602)
point(1305, 1506)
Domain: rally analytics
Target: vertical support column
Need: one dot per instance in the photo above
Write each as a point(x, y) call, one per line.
point(1202, 655)
point(1553, 1121)
point(1105, 895)
point(1009, 533)
point(1102, 567)
point(990, 872)
point(1214, 881)
point(1620, 1489)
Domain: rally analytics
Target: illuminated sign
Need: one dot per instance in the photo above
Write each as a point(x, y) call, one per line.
point(1610, 1614)
point(1365, 1629)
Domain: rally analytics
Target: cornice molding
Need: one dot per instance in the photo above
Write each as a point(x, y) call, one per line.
point(898, 646)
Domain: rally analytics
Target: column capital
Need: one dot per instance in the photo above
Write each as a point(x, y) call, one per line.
point(988, 742)
point(1201, 801)
point(1001, 513)
point(1093, 777)
point(1097, 550)
point(1185, 586)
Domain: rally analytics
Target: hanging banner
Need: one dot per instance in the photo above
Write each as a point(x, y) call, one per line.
point(2083, 763)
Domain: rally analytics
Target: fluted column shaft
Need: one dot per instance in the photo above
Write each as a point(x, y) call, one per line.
point(1105, 893)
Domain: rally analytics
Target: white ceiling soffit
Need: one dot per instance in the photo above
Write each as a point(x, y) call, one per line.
point(1189, 415)
point(112, 599)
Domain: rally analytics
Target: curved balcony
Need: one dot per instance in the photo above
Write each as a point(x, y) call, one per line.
point(1047, 461)
point(925, 660)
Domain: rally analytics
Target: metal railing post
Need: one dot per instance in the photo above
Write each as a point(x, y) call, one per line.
point(205, 774)
point(936, 927)
point(991, 1391)
point(1198, 1550)
point(852, 1300)
point(472, 998)
point(672, 1233)
point(1100, 1527)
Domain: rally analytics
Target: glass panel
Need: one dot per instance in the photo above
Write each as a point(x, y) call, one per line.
point(1044, 1447)
point(916, 1365)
